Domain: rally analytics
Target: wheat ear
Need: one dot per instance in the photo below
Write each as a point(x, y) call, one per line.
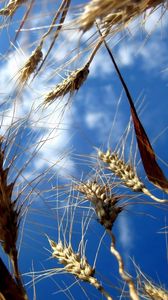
point(9, 219)
point(155, 293)
point(76, 78)
point(70, 84)
point(76, 265)
point(114, 14)
point(105, 203)
point(126, 173)
point(31, 65)
point(132, 290)
point(11, 7)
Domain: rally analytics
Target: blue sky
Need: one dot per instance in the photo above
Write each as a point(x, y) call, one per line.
point(96, 117)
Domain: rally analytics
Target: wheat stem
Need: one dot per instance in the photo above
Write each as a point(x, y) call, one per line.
point(124, 276)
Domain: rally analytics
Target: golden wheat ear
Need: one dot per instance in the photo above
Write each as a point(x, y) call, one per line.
point(31, 65)
point(114, 15)
point(76, 264)
point(126, 172)
point(69, 85)
point(104, 202)
point(155, 292)
point(148, 289)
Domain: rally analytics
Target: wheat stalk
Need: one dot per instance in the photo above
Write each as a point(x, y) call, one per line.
point(114, 14)
point(126, 173)
point(132, 290)
point(11, 7)
point(104, 202)
point(76, 264)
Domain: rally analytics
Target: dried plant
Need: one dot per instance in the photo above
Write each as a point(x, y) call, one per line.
point(69, 85)
point(100, 195)
point(154, 292)
point(125, 172)
point(127, 278)
point(10, 215)
point(31, 65)
point(104, 201)
point(148, 289)
point(76, 265)
point(113, 14)
point(11, 7)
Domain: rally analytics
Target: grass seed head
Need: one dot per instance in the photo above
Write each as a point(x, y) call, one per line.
point(155, 293)
point(31, 65)
point(73, 262)
point(122, 170)
point(104, 202)
point(114, 14)
point(70, 84)
point(9, 213)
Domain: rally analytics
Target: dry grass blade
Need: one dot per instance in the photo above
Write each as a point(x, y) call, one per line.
point(126, 173)
point(11, 7)
point(114, 14)
point(104, 202)
point(76, 265)
point(69, 85)
point(31, 65)
point(152, 169)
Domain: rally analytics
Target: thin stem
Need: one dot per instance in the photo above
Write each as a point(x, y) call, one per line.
point(94, 282)
point(124, 276)
point(101, 40)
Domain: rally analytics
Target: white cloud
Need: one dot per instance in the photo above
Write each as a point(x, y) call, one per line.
point(47, 121)
point(93, 119)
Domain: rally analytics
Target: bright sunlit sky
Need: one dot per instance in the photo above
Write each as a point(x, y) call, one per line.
point(96, 116)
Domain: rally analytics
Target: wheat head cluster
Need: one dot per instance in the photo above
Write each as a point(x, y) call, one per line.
point(58, 214)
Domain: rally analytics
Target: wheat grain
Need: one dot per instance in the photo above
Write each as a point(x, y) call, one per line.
point(76, 264)
point(70, 84)
point(114, 14)
point(104, 202)
point(11, 7)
